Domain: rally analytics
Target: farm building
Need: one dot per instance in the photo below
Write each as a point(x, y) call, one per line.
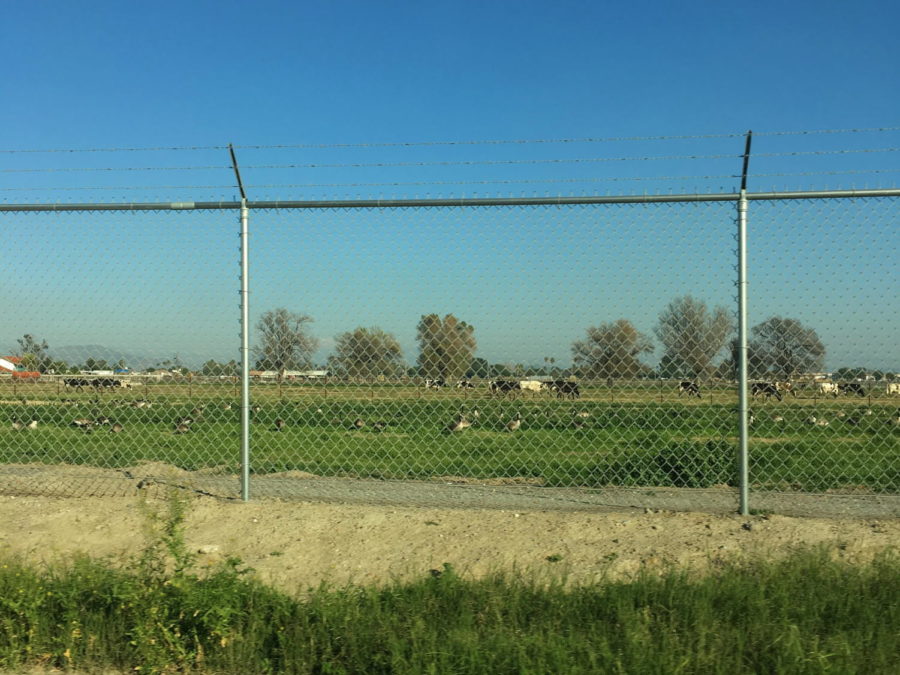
point(12, 365)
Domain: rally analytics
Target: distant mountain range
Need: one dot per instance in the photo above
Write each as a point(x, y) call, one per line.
point(76, 355)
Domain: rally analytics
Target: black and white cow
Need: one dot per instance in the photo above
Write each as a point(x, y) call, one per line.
point(689, 388)
point(851, 388)
point(565, 389)
point(767, 389)
point(76, 383)
point(101, 383)
point(465, 384)
point(435, 383)
point(504, 387)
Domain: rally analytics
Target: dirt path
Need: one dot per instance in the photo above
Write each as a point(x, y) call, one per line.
point(301, 544)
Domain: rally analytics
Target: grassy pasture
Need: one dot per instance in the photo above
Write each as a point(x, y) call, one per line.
point(642, 435)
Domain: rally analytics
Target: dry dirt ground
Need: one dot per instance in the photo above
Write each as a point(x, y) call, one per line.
point(298, 545)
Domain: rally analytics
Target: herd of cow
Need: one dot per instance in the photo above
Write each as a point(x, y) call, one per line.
point(561, 388)
point(96, 383)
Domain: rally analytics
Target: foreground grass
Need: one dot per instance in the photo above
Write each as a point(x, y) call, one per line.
point(805, 614)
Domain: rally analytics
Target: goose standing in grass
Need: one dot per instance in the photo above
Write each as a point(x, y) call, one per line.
point(359, 423)
point(461, 424)
point(33, 424)
point(279, 424)
point(82, 423)
point(380, 425)
point(182, 428)
point(777, 418)
point(514, 423)
point(116, 428)
point(17, 425)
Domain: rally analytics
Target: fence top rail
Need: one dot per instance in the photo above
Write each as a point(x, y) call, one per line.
point(456, 202)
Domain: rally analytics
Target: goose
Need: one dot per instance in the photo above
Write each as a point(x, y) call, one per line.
point(476, 415)
point(461, 424)
point(380, 425)
point(83, 423)
point(226, 406)
point(33, 424)
point(821, 422)
point(182, 428)
point(116, 428)
point(515, 423)
point(359, 423)
point(279, 424)
point(17, 425)
point(777, 418)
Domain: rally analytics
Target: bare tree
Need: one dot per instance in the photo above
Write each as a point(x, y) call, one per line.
point(446, 346)
point(692, 336)
point(611, 350)
point(785, 348)
point(367, 352)
point(284, 341)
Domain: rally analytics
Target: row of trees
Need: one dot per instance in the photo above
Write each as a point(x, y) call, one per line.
point(692, 337)
point(697, 342)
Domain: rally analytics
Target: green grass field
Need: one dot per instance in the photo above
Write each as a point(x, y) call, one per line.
point(806, 614)
point(629, 436)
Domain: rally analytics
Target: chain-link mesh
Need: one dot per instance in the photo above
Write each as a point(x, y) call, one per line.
point(822, 347)
point(121, 327)
point(564, 356)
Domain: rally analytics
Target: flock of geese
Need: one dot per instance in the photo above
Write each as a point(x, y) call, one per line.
point(459, 424)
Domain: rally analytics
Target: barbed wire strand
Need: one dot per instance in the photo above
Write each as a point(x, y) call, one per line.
point(485, 162)
point(403, 144)
point(474, 181)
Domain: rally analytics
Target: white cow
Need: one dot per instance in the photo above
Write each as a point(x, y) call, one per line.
point(892, 388)
point(531, 385)
point(828, 388)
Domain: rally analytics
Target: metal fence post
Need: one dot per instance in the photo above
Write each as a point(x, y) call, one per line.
point(245, 354)
point(743, 460)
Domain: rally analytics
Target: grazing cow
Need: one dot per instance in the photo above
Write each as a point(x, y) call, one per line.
point(435, 383)
point(767, 389)
point(465, 384)
point(892, 388)
point(828, 388)
point(504, 387)
point(689, 388)
point(852, 388)
point(101, 383)
point(565, 389)
point(76, 383)
point(786, 388)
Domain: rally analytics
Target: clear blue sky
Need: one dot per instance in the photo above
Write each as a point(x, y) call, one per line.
point(89, 75)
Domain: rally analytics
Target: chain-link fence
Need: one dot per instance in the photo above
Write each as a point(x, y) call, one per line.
point(513, 354)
